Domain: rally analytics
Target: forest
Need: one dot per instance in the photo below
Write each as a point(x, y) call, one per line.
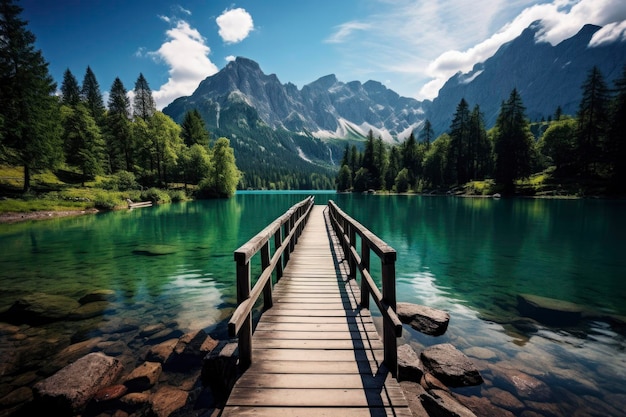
point(580, 155)
point(128, 145)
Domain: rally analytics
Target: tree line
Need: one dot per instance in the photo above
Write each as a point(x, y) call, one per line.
point(590, 146)
point(40, 130)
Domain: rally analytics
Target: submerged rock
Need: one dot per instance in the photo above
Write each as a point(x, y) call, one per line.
point(451, 366)
point(40, 308)
point(442, 403)
point(549, 310)
point(154, 250)
point(144, 377)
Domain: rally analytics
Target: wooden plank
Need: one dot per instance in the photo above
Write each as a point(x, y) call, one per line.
point(364, 366)
point(314, 327)
point(317, 355)
point(243, 411)
point(316, 381)
point(289, 397)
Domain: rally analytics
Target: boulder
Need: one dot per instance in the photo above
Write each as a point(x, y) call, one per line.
point(143, 377)
point(424, 319)
point(442, 404)
point(523, 385)
point(409, 365)
point(482, 407)
point(40, 308)
point(189, 351)
point(89, 310)
point(451, 366)
point(69, 390)
point(97, 295)
point(154, 250)
point(549, 310)
point(167, 400)
point(162, 351)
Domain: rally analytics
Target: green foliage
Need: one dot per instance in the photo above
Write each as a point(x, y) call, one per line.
point(344, 179)
point(513, 143)
point(105, 201)
point(224, 172)
point(156, 195)
point(559, 142)
point(402, 181)
point(194, 130)
point(28, 109)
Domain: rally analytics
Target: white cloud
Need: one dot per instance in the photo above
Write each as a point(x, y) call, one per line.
point(420, 45)
point(230, 58)
point(234, 25)
point(612, 32)
point(560, 20)
point(187, 55)
point(345, 30)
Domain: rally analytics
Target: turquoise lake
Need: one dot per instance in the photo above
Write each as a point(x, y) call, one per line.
point(469, 256)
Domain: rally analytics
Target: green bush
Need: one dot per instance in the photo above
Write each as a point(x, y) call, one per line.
point(122, 181)
point(105, 201)
point(155, 195)
point(177, 196)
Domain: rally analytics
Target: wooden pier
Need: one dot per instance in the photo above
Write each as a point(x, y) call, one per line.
point(315, 350)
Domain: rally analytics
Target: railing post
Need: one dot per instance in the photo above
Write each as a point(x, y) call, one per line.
point(390, 342)
point(243, 293)
point(365, 261)
point(268, 302)
point(352, 237)
point(278, 241)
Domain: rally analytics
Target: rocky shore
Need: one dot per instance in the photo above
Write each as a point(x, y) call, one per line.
point(15, 217)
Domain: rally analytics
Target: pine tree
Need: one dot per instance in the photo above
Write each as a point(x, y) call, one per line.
point(84, 145)
point(143, 103)
point(616, 146)
point(427, 135)
point(70, 91)
point(459, 142)
point(410, 159)
point(92, 97)
point(31, 131)
point(120, 143)
point(593, 116)
point(479, 152)
point(194, 130)
point(513, 143)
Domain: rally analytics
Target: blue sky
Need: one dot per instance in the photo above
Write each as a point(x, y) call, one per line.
point(412, 46)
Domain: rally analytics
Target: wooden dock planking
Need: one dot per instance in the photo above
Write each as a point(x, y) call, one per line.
point(316, 352)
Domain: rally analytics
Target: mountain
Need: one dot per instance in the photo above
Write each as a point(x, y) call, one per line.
point(546, 76)
point(326, 108)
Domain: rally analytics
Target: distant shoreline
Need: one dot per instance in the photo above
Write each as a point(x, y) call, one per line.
point(16, 217)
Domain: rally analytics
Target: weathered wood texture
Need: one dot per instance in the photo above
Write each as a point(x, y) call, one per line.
point(316, 352)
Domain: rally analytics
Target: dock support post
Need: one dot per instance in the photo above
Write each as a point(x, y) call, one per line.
point(388, 264)
point(243, 293)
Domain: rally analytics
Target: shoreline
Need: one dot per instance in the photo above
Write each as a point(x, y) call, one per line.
point(17, 217)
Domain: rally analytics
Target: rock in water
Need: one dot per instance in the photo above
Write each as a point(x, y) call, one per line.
point(451, 366)
point(68, 391)
point(549, 310)
point(424, 319)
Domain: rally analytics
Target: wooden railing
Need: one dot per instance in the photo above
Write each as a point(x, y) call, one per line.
point(348, 229)
point(285, 230)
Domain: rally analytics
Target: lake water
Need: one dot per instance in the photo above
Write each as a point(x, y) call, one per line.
point(468, 256)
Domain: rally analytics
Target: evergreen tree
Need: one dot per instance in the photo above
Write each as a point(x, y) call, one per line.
point(372, 162)
point(593, 116)
point(616, 146)
point(119, 138)
point(395, 162)
point(194, 130)
point(427, 135)
point(460, 142)
point(479, 152)
point(70, 91)
point(92, 97)
point(143, 102)
point(344, 178)
point(84, 145)
point(513, 143)
point(410, 159)
point(345, 159)
point(437, 169)
point(31, 131)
